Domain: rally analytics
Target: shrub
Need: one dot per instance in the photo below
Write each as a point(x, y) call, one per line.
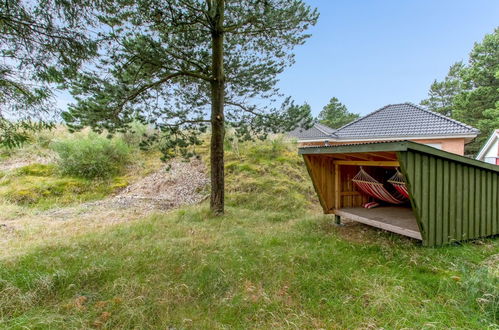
point(92, 156)
point(269, 149)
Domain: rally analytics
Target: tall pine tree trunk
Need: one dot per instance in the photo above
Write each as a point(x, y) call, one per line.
point(217, 112)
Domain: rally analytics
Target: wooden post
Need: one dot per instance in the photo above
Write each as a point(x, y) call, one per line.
point(337, 193)
point(337, 219)
point(337, 187)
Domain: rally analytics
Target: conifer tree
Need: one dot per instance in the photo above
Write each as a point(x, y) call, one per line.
point(335, 114)
point(191, 65)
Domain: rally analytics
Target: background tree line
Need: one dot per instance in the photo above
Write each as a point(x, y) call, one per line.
point(470, 91)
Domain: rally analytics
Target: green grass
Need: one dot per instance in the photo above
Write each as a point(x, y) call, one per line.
point(271, 261)
point(246, 270)
point(268, 176)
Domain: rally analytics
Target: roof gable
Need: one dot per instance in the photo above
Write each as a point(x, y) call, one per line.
point(403, 120)
point(493, 137)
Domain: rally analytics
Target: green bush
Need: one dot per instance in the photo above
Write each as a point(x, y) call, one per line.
point(92, 156)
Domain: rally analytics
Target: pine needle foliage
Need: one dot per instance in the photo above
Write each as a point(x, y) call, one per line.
point(187, 66)
point(41, 42)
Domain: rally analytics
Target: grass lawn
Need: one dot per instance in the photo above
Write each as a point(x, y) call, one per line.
point(248, 269)
point(272, 261)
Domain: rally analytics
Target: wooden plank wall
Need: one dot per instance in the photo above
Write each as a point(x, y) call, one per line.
point(350, 197)
point(322, 172)
point(452, 201)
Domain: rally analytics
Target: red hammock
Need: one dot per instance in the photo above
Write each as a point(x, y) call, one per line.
point(398, 182)
point(373, 188)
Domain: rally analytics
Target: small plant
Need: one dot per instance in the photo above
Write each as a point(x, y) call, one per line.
point(268, 150)
point(93, 156)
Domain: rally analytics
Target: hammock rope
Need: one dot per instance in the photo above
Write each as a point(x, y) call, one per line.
point(398, 182)
point(373, 188)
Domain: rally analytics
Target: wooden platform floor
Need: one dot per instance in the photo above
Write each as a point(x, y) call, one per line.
point(396, 219)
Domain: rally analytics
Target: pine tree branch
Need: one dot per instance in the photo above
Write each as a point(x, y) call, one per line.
point(234, 27)
point(190, 121)
point(161, 81)
point(33, 27)
point(246, 109)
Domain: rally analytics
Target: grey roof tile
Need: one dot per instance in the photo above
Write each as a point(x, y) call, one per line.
point(318, 131)
point(403, 120)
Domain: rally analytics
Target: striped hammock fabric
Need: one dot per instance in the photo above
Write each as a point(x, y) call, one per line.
point(373, 188)
point(398, 182)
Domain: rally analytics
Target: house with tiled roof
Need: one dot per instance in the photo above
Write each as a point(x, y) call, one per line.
point(394, 122)
point(490, 151)
point(318, 132)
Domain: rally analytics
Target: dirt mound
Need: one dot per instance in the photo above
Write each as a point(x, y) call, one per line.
point(179, 183)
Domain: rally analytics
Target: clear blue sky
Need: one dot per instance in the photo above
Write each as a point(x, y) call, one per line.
point(369, 53)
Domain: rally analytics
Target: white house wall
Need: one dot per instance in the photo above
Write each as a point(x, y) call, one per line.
point(493, 150)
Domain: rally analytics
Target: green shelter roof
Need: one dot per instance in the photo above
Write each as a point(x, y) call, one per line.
point(398, 146)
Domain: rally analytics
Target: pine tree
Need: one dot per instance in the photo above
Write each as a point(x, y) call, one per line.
point(335, 114)
point(470, 92)
point(478, 105)
point(191, 65)
point(441, 95)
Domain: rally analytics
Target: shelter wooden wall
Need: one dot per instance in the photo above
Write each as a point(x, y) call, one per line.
point(321, 171)
point(350, 197)
point(452, 200)
point(333, 183)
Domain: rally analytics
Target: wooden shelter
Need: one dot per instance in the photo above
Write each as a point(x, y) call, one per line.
point(451, 197)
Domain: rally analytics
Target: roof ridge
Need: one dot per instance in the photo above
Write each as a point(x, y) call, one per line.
point(441, 116)
point(415, 106)
point(363, 117)
point(330, 131)
point(317, 125)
